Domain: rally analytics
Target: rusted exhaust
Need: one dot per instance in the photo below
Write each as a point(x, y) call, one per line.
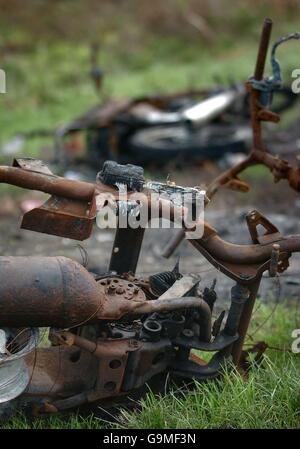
point(46, 291)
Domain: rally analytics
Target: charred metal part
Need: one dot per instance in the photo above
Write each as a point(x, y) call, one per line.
point(203, 316)
point(239, 295)
point(30, 178)
point(62, 217)
point(130, 175)
point(28, 163)
point(189, 369)
point(59, 292)
point(169, 304)
point(113, 357)
point(229, 335)
point(191, 197)
point(151, 359)
point(47, 291)
point(119, 338)
point(210, 295)
point(126, 249)
point(218, 323)
point(161, 282)
point(69, 212)
point(181, 286)
point(172, 323)
point(122, 297)
point(255, 219)
point(60, 371)
point(268, 85)
point(172, 191)
point(48, 407)
point(258, 75)
point(274, 260)
point(221, 342)
point(151, 330)
point(245, 321)
point(245, 263)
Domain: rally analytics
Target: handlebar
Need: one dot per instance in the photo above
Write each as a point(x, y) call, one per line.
point(210, 241)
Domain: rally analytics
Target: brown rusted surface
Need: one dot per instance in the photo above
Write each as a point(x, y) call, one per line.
point(28, 163)
point(244, 322)
point(112, 356)
point(254, 219)
point(259, 155)
point(122, 297)
point(69, 212)
point(59, 292)
point(47, 291)
point(258, 75)
point(241, 258)
point(63, 217)
point(95, 362)
point(61, 370)
point(280, 168)
point(54, 185)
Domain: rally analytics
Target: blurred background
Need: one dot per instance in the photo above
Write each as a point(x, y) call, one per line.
point(144, 48)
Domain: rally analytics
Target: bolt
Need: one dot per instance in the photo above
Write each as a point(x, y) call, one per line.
point(111, 288)
point(188, 333)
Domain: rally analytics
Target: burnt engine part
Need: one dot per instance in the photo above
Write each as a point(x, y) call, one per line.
point(130, 175)
point(59, 292)
point(210, 296)
point(47, 291)
point(161, 282)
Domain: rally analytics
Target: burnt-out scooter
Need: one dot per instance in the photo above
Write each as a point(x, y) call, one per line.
point(112, 334)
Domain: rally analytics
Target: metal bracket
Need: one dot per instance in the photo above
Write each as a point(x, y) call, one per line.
point(65, 213)
point(255, 219)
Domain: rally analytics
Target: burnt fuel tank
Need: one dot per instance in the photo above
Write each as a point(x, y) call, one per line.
point(47, 291)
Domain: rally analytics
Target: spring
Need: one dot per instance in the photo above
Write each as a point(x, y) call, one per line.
point(161, 282)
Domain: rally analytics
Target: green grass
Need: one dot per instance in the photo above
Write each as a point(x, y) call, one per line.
point(270, 398)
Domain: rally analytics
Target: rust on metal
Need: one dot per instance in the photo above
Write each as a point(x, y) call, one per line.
point(113, 333)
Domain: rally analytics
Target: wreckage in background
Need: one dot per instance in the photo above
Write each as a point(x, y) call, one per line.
point(185, 127)
point(112, 334)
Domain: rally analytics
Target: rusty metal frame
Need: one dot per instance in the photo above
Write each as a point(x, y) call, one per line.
point(90, 361)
